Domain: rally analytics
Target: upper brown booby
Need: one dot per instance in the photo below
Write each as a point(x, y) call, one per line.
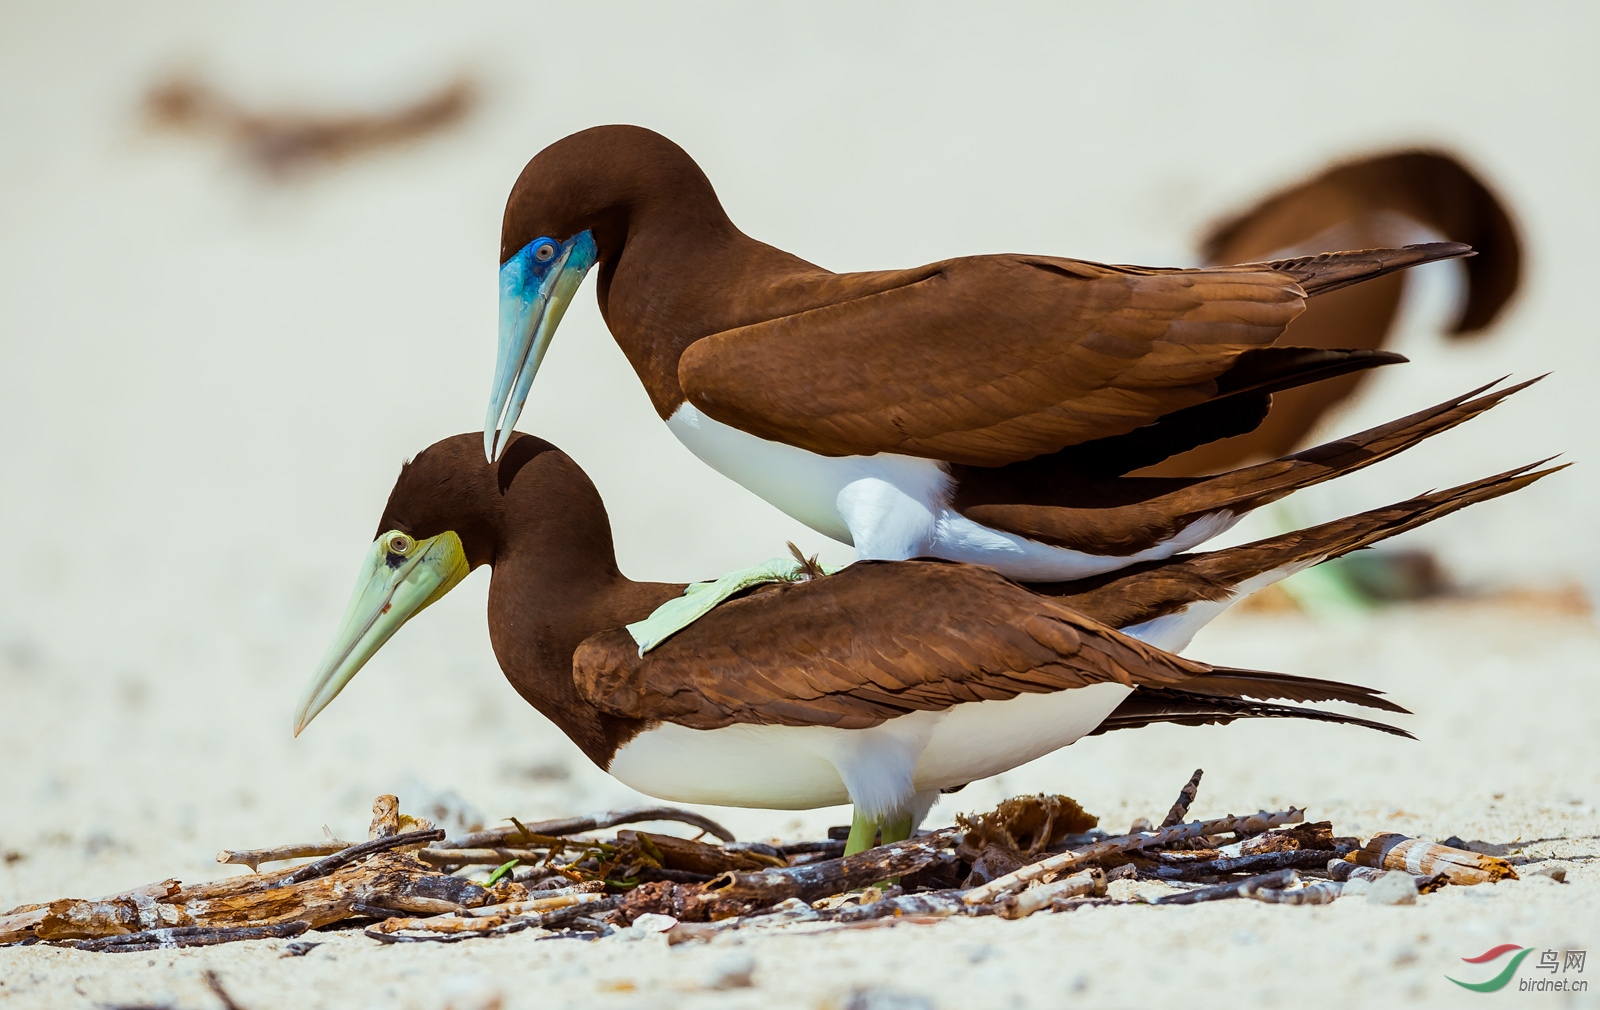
point(867, 404)
point(879, 685)
point(1382, 200)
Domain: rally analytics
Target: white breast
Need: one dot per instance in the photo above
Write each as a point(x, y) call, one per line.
point(879, 769)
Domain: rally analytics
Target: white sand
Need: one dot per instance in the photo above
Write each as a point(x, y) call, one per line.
point(209, 384)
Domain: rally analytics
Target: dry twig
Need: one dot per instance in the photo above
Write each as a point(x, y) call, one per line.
point(592, 822)
point(253, 858)
point(1180, 809)
point(1073, 858)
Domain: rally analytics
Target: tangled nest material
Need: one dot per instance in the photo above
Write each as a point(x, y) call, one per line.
point(408, 883)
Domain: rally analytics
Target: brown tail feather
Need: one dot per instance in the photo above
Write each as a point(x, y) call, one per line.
point(1146, 706)
point(1125, 515)
point(1260, 685)
point(1153, 589)
point(1324, 273)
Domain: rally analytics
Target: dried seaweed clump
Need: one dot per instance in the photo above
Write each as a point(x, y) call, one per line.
point(1027, 824)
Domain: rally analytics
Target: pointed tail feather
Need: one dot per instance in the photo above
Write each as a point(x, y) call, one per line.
point(1153, 589)
point(1330, 271)
point(1131, 514)
point(1370, 199)
point(1147, 706)
point(1261, 685)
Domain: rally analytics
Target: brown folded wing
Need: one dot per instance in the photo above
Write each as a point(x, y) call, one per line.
point(851, 650)
point(989, 360)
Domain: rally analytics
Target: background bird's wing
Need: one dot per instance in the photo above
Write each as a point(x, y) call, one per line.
point(850, 650)
point(988, 360)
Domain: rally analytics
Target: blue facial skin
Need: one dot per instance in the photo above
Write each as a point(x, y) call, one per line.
point(523, 276)
point(535, 286)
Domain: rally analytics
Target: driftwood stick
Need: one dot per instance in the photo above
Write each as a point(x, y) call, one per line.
point(810, 881)
point(1277, 880)
point(1091, 881)
point(490, 917)
point(1260, 862)
point(545, 902)
point(1180, 809)
point(323, 867)
point(830, 848)
point(1424, 858)
point(186, 936)
point(547, 920)
point(1072, 858)
point(593, 822)
point(478, 857)
point(255, 857)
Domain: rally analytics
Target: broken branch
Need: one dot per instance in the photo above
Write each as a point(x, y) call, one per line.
point(255, 857)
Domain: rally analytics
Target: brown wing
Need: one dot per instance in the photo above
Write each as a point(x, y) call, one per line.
point(851, 650)
point(990, 359)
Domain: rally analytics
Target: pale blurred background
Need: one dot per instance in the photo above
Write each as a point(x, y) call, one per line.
point(212, 374)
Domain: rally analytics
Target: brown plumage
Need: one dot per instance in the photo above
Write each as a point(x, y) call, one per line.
point(1382, 200)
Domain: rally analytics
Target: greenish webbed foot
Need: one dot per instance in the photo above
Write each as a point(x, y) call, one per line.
point(864, 832)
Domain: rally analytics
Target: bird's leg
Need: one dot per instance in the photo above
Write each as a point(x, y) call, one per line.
point(896, 828)
point(863, 833)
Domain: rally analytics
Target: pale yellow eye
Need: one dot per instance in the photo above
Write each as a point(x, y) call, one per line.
point(399, 543)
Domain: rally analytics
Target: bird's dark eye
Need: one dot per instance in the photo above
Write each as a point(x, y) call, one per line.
point(399, 543)
point(545, 253)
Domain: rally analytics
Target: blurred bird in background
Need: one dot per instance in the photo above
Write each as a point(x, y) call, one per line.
point(1386, 200)
point(282, 143)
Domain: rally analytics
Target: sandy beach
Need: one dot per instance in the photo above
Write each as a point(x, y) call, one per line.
point(1506, 755)
point(211, 378)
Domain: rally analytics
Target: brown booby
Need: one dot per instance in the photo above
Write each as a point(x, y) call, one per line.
point(868, 405)
point(879, 685)
point(1387, 199)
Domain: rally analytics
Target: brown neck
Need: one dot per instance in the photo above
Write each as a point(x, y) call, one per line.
point(555, 583)
point(682, 271)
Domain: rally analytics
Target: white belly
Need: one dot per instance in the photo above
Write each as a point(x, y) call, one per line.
point(893, 507)
point(879, 769)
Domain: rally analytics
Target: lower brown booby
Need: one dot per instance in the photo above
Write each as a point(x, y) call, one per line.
point(879, 685)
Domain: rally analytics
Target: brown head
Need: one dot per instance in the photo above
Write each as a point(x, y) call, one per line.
point(534, 515)
point(636, 204)
point(598, 181)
